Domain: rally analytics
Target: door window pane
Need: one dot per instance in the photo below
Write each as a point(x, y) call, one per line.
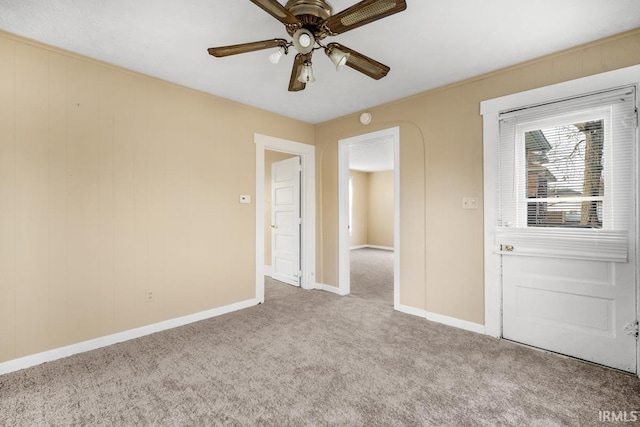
point(565, 175)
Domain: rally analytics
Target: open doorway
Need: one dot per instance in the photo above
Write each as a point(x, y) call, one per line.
point(369, 203)
point(306, 158)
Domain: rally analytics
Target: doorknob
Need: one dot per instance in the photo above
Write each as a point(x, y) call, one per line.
point(274, 226)
point(508, 248)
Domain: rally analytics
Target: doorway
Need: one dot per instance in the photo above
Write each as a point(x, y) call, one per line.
point(561, 266)
point(384, 146)
point(306, 154)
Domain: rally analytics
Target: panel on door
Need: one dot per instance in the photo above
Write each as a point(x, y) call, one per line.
point(285, 220)
point(575, 307)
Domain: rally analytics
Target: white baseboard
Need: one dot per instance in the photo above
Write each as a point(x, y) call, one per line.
point(456, 323)
point(445, 320)
point(329, 288)
point(267, 270)
point(70, 350)
point(384, 248)
point(411, 310)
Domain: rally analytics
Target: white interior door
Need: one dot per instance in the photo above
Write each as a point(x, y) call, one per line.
point(286, 220)
point(568, 267)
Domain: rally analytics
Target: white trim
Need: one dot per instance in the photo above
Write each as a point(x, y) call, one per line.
point(267, 270)
point(439, 318)
point(406, 309)
point(352, 248)
point(599, 82)
point(329, 288)
point(492, 260)
point(490, 111)
point(344, 267)
point(396, 216)
point(308, 203)
point(384, 248)
point(344, 270)
point(81, 347)
point(456, 323)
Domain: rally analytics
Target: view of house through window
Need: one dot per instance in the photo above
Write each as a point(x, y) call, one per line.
point(565, 175)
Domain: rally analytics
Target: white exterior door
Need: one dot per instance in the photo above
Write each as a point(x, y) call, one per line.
point(285, 220)
point(568, 236)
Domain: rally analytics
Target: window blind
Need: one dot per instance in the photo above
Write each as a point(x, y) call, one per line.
point(566, 181)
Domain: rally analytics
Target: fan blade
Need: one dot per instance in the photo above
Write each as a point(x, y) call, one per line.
point(294, 84)
point(235, 49)
point(275, 9)
point(363, 13)
point(362, 63)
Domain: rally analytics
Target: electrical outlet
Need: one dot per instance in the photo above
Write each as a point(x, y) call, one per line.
point(469, 202)
point(149, 296)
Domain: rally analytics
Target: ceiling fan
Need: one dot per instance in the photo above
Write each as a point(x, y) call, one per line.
point(309, 22)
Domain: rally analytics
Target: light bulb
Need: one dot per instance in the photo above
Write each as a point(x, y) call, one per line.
point(304, 40)
point(274, 58)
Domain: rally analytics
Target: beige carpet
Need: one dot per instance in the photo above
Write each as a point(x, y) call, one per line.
point(314, 358)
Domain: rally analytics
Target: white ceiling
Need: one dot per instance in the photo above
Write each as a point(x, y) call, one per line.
point(432, 43)
point(373, 155)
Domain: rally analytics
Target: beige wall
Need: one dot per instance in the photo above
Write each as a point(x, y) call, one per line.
point(381, 209)
point(270, 157)
point(372, 208)
point(360, 215)
point(111, 184)
point(441, 265)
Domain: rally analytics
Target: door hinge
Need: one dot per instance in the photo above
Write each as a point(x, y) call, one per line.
point(632, 329)
point(299, 168)
point(299, 220)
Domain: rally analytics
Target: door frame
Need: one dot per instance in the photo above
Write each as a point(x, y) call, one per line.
point(344, 247)
point(307, 203)
point(490, 110)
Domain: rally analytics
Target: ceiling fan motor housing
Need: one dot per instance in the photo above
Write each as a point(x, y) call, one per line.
point(311, 13)
point(318, 8)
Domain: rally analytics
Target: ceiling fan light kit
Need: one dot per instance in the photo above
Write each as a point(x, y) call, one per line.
point(306, 74)
point(274, 58)
point(303, 40)
point(308, 22)
point(338, 57)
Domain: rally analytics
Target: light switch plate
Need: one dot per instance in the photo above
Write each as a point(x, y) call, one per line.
point(245, 198)
point(469, 202)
